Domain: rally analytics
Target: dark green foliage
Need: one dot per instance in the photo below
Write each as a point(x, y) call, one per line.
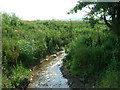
point(94, 53)
point(101, 10)
point(111, 76)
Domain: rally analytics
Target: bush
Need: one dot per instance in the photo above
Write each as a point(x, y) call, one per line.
point(26, 51)
point(18, 73)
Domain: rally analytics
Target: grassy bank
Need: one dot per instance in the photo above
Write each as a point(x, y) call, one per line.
point(94, 58)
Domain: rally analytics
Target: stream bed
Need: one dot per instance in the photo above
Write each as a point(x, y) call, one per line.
point(48, 74)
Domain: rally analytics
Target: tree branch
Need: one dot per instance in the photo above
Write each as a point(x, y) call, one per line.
point(106, 22)
point(93, 12)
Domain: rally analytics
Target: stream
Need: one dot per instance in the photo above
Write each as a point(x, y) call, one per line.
point(48, 74)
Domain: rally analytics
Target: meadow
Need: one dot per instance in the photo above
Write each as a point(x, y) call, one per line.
point(90, 51)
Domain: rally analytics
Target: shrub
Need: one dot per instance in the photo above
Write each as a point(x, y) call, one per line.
point(26, 51)
point(14, 76)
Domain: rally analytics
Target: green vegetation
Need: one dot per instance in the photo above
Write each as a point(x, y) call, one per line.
point(24, 43)
point(101, 11)
point(93, 53)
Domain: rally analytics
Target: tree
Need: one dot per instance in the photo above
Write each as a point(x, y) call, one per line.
point(104, 10)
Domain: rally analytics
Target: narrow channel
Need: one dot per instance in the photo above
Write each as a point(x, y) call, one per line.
point(48, 75)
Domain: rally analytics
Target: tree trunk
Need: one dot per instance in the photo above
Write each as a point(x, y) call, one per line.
point(116, 20)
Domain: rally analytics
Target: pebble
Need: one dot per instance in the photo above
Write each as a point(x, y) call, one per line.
point(54, 55)
point(46, 59)
point(31, 79)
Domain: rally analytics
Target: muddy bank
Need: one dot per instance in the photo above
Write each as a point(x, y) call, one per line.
point(51, 73)
point(74, 81)
point(40, 66)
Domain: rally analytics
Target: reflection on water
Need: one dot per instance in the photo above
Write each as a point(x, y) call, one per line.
point(49, 75)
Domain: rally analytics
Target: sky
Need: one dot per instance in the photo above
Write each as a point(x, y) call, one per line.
point(41, 9)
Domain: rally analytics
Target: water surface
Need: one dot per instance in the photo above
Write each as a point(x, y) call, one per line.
point(48, 75)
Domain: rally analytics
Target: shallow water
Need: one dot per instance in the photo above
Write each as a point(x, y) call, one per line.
point(48, 75)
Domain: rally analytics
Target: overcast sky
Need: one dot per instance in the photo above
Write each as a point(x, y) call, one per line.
point(40, 9)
